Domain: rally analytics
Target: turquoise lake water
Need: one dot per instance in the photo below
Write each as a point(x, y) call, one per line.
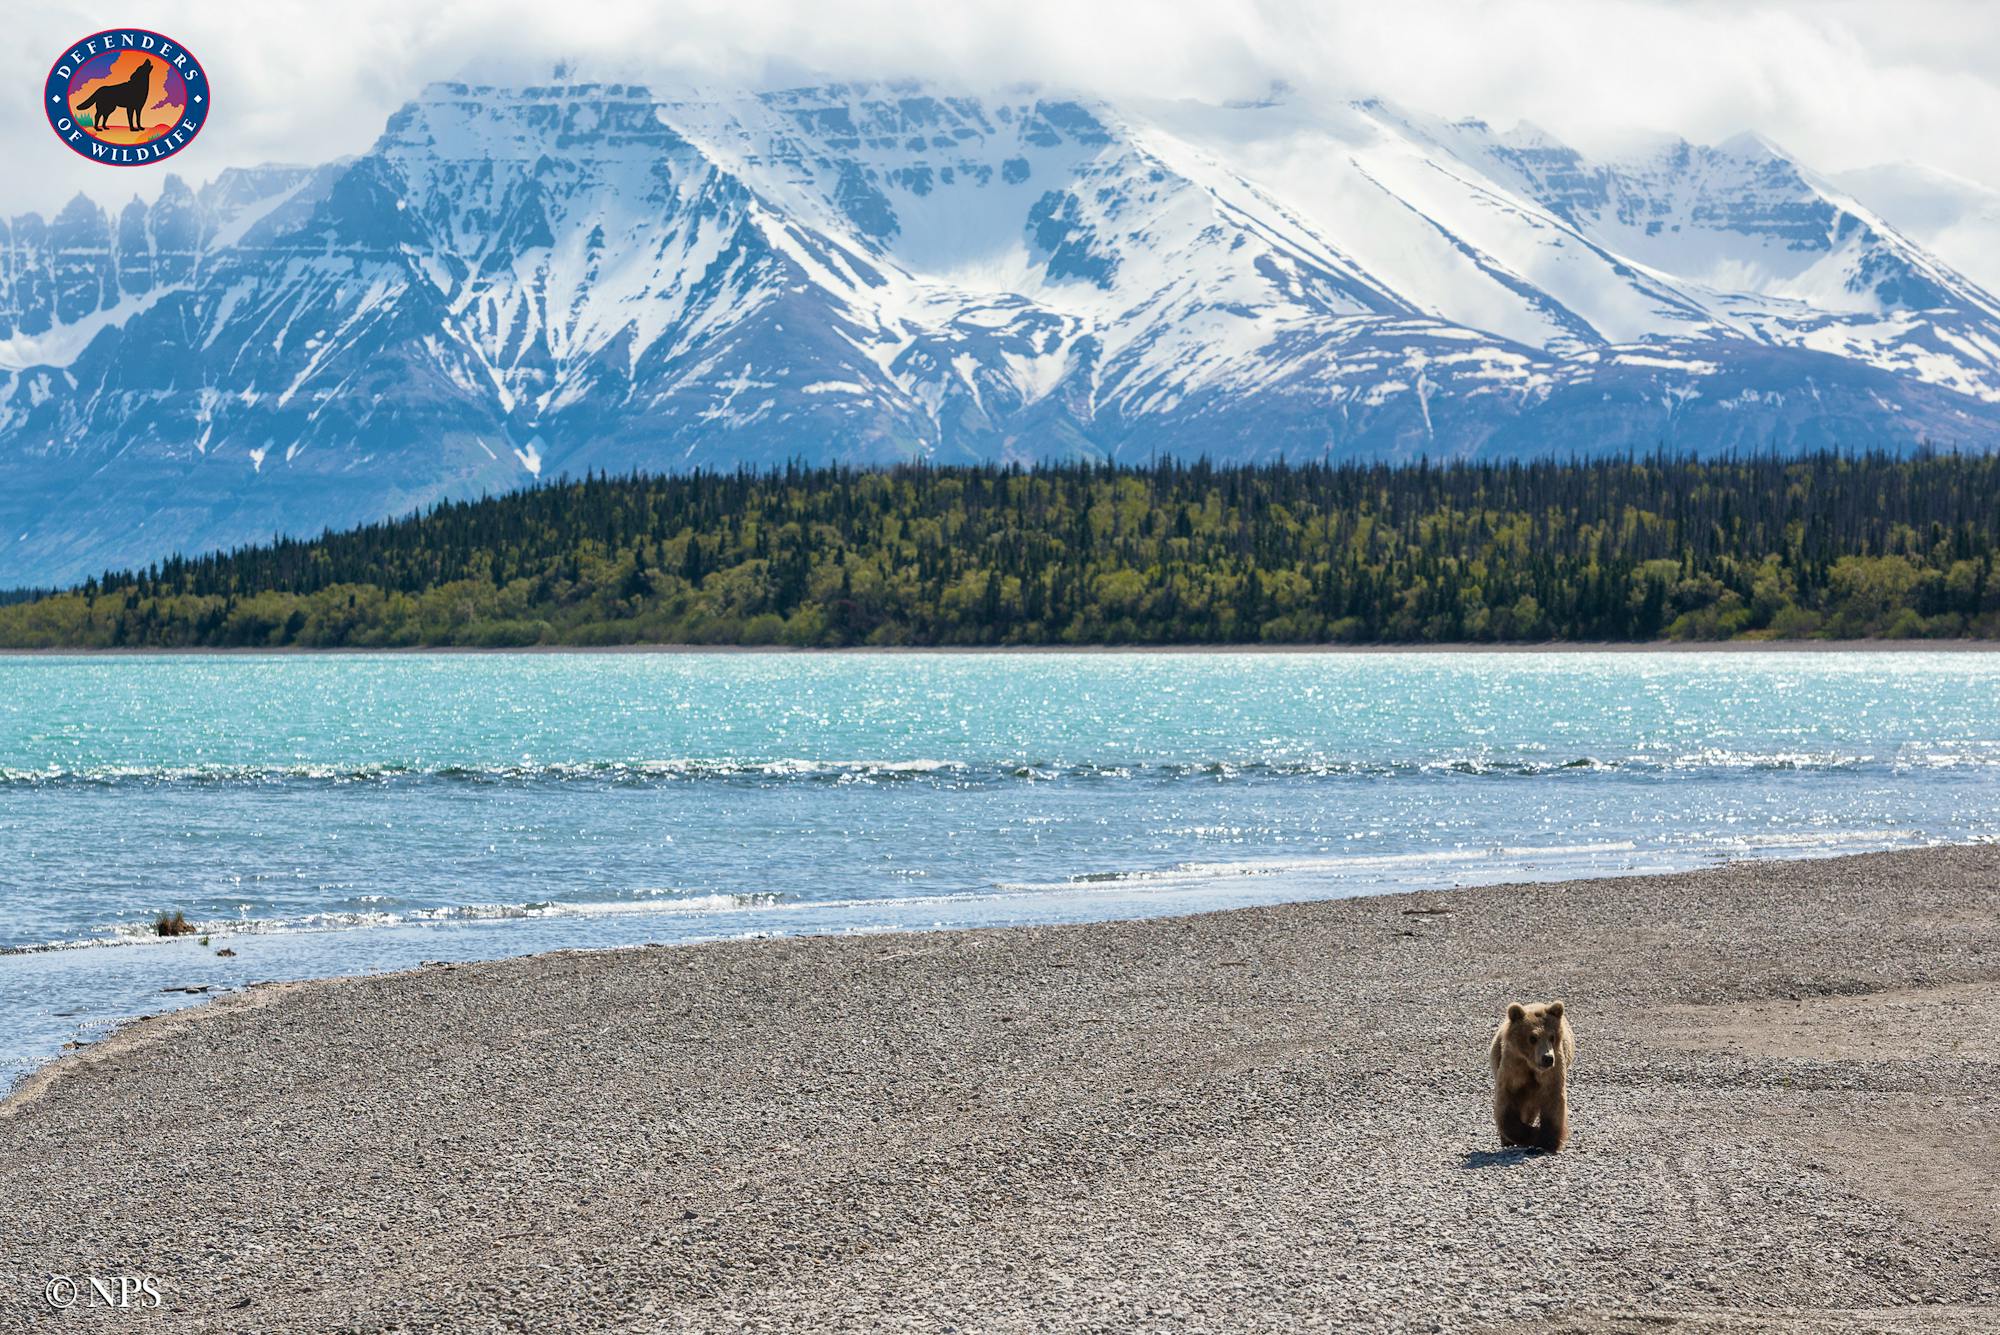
point(340, 814)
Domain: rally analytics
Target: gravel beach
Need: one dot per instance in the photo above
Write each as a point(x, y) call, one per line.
point(1785, 1117)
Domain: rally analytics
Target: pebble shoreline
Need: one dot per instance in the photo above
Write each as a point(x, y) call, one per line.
point(1786, 1116)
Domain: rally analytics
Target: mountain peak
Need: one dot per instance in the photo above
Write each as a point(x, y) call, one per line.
point(1751, 144)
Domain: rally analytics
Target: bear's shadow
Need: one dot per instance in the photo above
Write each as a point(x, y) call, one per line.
point(1513, 1154)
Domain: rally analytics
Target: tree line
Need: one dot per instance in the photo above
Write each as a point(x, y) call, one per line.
point(1168, 553)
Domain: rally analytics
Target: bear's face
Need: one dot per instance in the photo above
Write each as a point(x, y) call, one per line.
point(1534, 1032)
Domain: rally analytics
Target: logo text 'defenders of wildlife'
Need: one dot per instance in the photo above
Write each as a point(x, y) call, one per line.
point(126, 97)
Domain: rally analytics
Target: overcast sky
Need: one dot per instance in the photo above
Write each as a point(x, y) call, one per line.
point(1841, 83)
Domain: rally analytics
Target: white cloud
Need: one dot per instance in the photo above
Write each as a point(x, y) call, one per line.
point(1842, 83)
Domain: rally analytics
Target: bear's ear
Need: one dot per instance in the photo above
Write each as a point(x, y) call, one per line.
point(1516, 1013)
point(1555, 1010)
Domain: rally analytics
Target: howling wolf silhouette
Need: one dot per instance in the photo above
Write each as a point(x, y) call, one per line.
point(128, 97)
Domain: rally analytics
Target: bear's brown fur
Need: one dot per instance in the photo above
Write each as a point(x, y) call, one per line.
point(1533, 1050)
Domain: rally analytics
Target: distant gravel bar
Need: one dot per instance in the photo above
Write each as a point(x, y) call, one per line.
point(1786, 1118)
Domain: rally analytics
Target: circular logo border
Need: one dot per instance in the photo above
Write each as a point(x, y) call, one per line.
point(55, 93)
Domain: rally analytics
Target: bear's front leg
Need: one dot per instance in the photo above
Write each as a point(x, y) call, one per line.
point(1553, 1133)
point(1514, 1128)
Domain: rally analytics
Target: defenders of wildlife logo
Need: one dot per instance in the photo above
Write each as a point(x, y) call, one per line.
point(126, 96)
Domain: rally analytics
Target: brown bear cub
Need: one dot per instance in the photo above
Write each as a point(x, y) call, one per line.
point(1532, 1052)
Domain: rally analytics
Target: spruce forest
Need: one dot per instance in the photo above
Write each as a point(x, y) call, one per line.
point(1614, 550)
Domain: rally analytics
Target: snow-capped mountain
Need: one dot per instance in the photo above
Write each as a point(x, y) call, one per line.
point(1954, 219)
point(516, 283)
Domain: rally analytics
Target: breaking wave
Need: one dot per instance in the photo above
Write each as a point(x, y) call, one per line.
point(662, 902)
point(1312, 876)
point(598, 771)
point(964, 773)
